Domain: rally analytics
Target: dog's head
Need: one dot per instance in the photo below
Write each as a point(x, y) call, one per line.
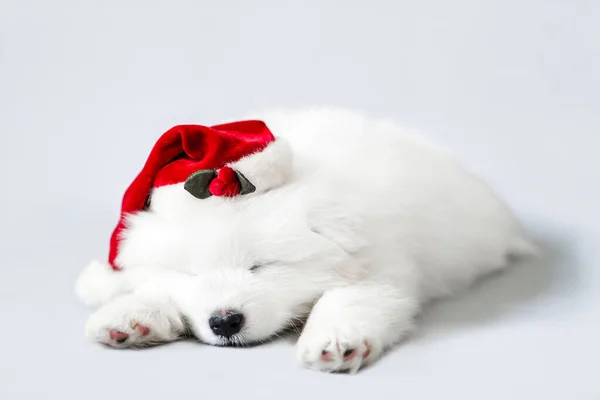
point(255, 266)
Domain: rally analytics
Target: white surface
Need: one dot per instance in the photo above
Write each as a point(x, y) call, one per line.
point(511, 86)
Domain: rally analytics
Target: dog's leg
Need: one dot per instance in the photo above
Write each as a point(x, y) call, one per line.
point(269, 168)
point(349, 327)
point(147, 316)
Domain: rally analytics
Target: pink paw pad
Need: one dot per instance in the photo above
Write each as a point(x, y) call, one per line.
point(349, 354)
point(367, 351)
point(326, 356)
point(118, 336)
point(144, 330)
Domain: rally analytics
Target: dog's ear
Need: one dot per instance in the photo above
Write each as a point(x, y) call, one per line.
point(344, 229)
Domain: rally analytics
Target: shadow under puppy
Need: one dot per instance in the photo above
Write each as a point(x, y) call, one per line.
point(235, 231)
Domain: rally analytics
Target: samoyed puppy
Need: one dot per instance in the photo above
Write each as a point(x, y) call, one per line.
point(356, 224)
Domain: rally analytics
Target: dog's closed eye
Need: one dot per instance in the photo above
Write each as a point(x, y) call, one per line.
point(259, 265)
point(255, 267)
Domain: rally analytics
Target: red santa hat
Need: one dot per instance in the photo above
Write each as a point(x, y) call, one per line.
point(193, 154)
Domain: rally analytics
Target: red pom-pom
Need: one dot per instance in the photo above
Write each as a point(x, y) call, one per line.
point(225, 184)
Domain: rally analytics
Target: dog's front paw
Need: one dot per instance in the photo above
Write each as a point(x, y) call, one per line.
point(335, 350)
point(132, 322)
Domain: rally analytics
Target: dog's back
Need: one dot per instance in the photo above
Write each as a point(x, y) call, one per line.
point(402, 198)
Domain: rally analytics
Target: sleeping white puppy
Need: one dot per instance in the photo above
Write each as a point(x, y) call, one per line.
point(355, 224)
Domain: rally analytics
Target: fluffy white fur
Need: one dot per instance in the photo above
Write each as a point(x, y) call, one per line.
point(355, 223)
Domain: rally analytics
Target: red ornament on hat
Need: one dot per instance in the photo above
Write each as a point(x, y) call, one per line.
point(192, 154)
point(225, 184)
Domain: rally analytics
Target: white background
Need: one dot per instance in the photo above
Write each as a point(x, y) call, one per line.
point(513, 87)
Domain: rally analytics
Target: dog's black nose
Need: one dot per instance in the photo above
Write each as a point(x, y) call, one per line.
point(226, 322)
